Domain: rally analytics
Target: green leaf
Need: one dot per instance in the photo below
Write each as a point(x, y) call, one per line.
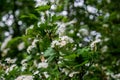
point(43, 8)
point(30, 16)
point(71, 56)
point(49, 52)
point(51, 58)
point(55, 18)
point(79, 65)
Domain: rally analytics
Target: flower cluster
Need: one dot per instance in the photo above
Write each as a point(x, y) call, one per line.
point(32, 46)
point(24, 77)
point(62, 41)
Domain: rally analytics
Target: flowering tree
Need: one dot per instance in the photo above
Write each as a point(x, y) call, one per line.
point(59, 45)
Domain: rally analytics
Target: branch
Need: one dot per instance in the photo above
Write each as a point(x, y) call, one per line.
point(16, 27)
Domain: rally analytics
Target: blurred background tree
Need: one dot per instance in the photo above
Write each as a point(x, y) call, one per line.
point(11, 22)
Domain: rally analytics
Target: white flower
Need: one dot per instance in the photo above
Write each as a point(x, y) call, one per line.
point(66, 71)
point(104, 48)
point(87, 39)
point(5, 51)
point(31, 27)
point(61, 28)
point(71, 22)
point(64, 13)
point(40, 2)
point(74, 48)
point(106, 39)
point(10, 68)
point(36, 72)
point(79, 3)
point(42, 19)
point(9, 60)
point(24, 77)
point(35, 63)
point(24, 64)
point(54, 43)
point(34, 42)
point(93, 33)
point(91, 9)
point(72, 74)
point(21, 46)
point(63, 43)
point(87, 64)
point(23, 61)
point(30, 48)
point(66, 38)
point(23, 68)
point(108, 1)
point(98, 35)
point(116, 76)
point(80, 44)
point(105, 25)
point(46, 74)
point(78, 34)
point(4, 44)
point(53, 7)
point(52, 14)
point(93, 44)
point(59, 62)
point(43, 65)
point(84, 31)
point(71, 31)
